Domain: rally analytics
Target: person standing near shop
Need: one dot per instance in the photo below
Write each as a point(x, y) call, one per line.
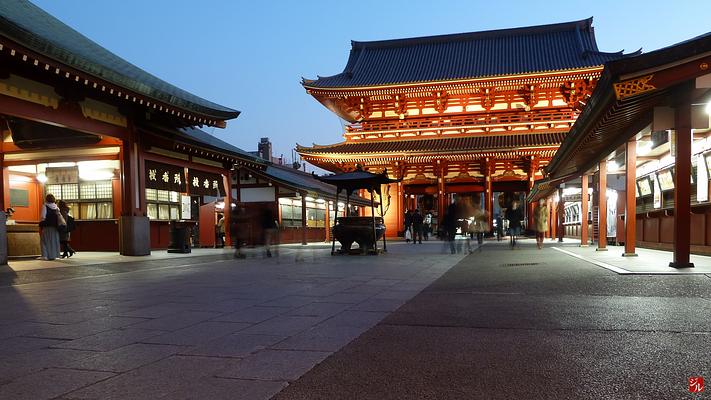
point(408, 226)
point(238, 229)
point(220, 230)
point(427, 227)
point(65, 231)
point(541, 222)
point(49, 223)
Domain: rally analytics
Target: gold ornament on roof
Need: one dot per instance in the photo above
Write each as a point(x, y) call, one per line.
point(633, 87)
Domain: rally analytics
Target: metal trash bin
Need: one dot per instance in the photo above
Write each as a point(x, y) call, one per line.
point(179, 238)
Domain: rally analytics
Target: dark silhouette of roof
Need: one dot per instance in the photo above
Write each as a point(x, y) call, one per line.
point(555, 47)
point(35, 29)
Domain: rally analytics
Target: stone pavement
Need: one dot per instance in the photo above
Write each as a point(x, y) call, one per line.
point(202, 329)
point(647, 261)
point(529, 324)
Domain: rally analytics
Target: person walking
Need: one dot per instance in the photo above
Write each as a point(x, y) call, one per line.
point(499, 227)
point(49, 223)
point(480, 224)
point(515, 216)
point(449, 225)
point(541, 215)
point(408, 226)
point(427, 226)
point(269, 229)
point(417, 222)
point(238, 229)
point(65, 231)
point(220, 231)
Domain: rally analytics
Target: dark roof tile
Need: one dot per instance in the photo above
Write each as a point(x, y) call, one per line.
point(555, 47)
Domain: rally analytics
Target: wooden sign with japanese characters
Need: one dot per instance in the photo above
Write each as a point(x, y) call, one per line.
point(204, 183)
point(165, 177)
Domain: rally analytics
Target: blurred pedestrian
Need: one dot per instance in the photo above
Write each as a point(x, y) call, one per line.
point(49, 235)
point(238, 229)
point(515, 216)
point(427, 225)
point(65, 231)
point(408, 226)
point(269, 229)
point(220, 230)
point(541, 215)
point(417, 226)
point(449, 225)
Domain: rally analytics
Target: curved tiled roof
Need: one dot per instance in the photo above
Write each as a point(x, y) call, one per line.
point(543, 48)
point(30, 26)
point(455, 144)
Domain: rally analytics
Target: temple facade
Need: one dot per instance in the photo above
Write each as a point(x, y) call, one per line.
point(473, 114)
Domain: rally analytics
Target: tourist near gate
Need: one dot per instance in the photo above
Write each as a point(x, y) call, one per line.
point(472, 114)
point(648, 121)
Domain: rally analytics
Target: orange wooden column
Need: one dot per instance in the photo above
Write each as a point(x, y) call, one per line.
point(682, 188)
point(584, 211)
point(554, 220)
point(602, 207)
point(630, 199)
point(489, 197)
point(4, 186)
point(303, 218)
point(227, 210)
point(441, 193)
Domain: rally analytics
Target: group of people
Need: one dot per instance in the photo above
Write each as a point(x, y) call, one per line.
point(473, 221)
point(56, 225)
point(417, 226)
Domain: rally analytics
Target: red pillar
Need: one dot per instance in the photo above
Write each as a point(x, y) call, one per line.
point(630, 199)
point(400, 208)
point(584, 212)
point(303, 218)
point(227, 211)
point(602, 208)
point(529, 205)
point(4, 186)
point(441, 193)
point(489, 196)
point(682, 188)
point(554, 220)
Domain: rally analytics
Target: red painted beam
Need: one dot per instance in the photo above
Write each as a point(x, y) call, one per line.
point(63, 116)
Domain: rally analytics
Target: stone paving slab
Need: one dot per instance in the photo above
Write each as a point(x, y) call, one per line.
point(49, 384)
point(275, 365)
point(21, 364)
point(109, 340)
point(125, 358)
point(238, 345)
point(198, 333)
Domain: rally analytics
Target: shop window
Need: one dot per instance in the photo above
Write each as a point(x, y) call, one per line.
point(163, 205)
point(87, 199)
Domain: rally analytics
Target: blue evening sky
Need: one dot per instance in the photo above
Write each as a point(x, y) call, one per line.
point(251, 55)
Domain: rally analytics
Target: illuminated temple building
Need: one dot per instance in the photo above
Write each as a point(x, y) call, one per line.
point(473, 114)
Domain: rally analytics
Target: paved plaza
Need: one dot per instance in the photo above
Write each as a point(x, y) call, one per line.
point(415, 323)
point(219, 328)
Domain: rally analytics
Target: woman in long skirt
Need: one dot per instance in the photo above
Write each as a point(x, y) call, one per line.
point(49, 236)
